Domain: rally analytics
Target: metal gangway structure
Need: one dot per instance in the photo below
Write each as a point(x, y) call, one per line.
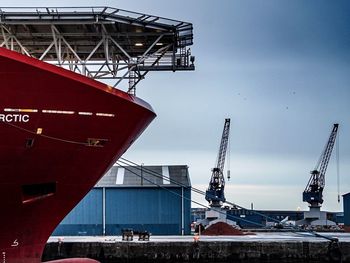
point(102, 43)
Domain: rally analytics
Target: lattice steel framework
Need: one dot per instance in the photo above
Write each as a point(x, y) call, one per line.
point(313, 193)
point(99, 42)
point(215, 193)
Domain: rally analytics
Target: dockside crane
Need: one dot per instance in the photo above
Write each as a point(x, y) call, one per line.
point(314, 189)
point(215, 193)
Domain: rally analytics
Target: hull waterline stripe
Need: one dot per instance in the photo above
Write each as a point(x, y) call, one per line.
point(85, 113)
point(105, 114)
point(20, 110)
point(58, 111)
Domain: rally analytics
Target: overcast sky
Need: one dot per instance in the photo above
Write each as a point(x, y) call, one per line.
point(279, 69)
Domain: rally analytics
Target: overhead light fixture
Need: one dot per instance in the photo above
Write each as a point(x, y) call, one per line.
point(138, 44)
point(159, 44)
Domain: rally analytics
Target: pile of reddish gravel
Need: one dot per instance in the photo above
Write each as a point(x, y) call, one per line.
point(223, 229)
point(347, 229)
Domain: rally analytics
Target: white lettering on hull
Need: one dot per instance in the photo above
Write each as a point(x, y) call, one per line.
point(14, 118)
point(15, 243)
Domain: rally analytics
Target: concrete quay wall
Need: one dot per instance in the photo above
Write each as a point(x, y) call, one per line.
point(213, 251)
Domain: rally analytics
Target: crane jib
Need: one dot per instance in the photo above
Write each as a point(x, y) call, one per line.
point(215, 193)
point(313, 191)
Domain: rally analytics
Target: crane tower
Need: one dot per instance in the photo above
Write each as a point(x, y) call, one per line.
point(313, 193)
point(314, 189)
point(215, 194)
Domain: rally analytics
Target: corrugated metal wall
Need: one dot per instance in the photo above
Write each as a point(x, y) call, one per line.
point(85, 218)
point(156, 210)
point(153, 209)
point(346, 203)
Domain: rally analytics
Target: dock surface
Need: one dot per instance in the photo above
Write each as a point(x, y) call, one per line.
point(258, 247)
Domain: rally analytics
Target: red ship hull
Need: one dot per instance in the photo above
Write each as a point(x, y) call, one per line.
point(60, 132)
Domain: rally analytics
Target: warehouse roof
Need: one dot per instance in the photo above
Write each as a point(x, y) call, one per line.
point(146, 176)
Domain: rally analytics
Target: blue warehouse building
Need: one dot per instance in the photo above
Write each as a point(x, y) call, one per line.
point(141, 198)
point(346, 205)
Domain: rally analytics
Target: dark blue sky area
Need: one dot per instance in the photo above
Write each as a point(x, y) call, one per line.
point(280, 70)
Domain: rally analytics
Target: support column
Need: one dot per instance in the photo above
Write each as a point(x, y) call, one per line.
point(103, 211)
point(182, 212)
